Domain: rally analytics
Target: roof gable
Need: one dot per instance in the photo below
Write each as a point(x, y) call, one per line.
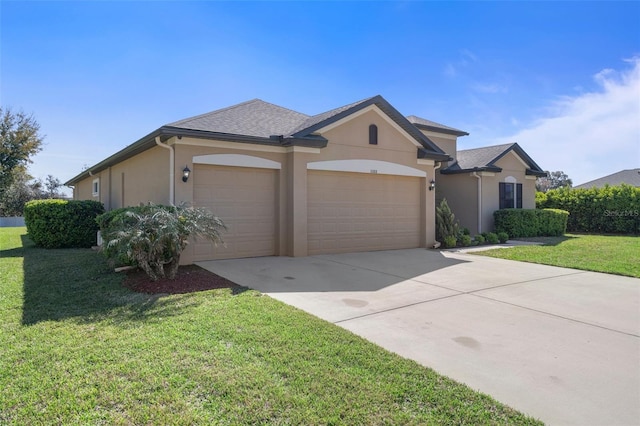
point(427, 148)
point(485, 158)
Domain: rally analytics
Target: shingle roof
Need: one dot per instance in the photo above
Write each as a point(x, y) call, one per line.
point(319, 118)
point(252, 118)
point(481, 157)
point(630, 177)
point(484, 159)
point(259, 122)
point(432, 125)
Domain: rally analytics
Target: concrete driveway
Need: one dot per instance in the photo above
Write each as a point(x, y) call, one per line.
point(559, 344)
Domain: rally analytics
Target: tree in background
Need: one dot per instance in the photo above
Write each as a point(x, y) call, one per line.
point(25, 188)
point(554, 180)
point(19, 140)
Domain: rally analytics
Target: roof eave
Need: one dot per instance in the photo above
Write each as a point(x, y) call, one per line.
point(166, 132)
point(450, 171)
point(432, 155)
point(440, 130)
point(536, 173)
point(129, 151)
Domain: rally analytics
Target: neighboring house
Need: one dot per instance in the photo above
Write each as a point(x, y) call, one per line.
point(477, 182)
point(356, 178)
point(630, 177)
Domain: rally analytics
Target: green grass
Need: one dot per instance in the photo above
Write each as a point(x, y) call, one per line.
point(76, 347)
point(611, 254)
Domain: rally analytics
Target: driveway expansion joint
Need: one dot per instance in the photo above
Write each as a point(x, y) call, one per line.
point(556, 315)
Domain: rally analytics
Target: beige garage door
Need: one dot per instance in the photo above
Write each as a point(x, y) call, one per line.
point(350, 212)
point(245, 199)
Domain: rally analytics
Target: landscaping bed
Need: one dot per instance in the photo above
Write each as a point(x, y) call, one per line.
point(190, 279)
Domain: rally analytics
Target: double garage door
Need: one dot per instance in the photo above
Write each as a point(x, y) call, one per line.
point(347, 212)
point(351, 212)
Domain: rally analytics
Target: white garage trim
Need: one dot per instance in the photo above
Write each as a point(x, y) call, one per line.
point(237, 160)
point(366, 166)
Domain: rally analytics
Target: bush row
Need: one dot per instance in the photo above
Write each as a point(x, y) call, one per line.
point(62, 223)
point(520, 223)
point(612, 209)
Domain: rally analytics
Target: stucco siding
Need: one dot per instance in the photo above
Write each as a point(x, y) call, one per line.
point(461, 192)
point(146, 173)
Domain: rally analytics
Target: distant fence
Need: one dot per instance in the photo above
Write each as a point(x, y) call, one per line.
point(9, 222)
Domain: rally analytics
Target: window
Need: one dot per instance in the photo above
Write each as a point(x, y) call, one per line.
point(95, 187)
point(510, 195)
point(373, 134)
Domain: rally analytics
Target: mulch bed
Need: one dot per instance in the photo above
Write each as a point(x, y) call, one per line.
point(190, 279)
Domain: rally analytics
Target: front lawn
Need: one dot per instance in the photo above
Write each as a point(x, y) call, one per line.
point(76, 347)
point(611, 254)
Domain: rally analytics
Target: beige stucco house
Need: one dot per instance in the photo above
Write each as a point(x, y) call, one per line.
point(357, 178)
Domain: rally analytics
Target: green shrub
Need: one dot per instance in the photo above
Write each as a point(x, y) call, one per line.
point(465, 240)
point(503, 237)
point(612, 209)
point(62, 223)
point(465, 231)
point(479, 239)
point(450, 241)
point(446, 223)
point(519, 223)
point(492, 238)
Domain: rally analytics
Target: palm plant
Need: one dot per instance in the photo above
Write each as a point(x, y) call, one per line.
point(153, 237)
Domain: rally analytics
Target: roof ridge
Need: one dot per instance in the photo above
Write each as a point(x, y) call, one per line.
point(229, 108)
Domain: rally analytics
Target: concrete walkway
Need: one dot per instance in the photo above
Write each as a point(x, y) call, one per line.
point(559, 344)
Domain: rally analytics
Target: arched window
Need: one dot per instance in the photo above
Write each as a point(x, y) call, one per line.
point(373, 134)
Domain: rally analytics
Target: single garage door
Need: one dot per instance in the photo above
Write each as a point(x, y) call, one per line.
point(245, 199)
point(351, 212)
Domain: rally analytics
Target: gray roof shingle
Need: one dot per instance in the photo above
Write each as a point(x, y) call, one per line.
point(630, 177)
point(484, 158)
point(252, 118)
point(480, 157)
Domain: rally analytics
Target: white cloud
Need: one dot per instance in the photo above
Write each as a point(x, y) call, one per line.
point(592, 134)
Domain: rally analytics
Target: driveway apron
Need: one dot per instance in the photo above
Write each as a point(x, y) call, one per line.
point(559, 344)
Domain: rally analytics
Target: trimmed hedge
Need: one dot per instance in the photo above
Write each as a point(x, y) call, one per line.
point(520, 223)
point(62, 223)
point(608, 210)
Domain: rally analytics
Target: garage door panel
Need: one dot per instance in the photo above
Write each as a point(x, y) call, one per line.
point(361, 212)
point(245, 199)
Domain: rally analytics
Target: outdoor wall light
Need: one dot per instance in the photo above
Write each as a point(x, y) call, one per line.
point(185, 173)
point(432, 185)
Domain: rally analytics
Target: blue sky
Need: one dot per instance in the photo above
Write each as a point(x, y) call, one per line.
point(560, 78)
